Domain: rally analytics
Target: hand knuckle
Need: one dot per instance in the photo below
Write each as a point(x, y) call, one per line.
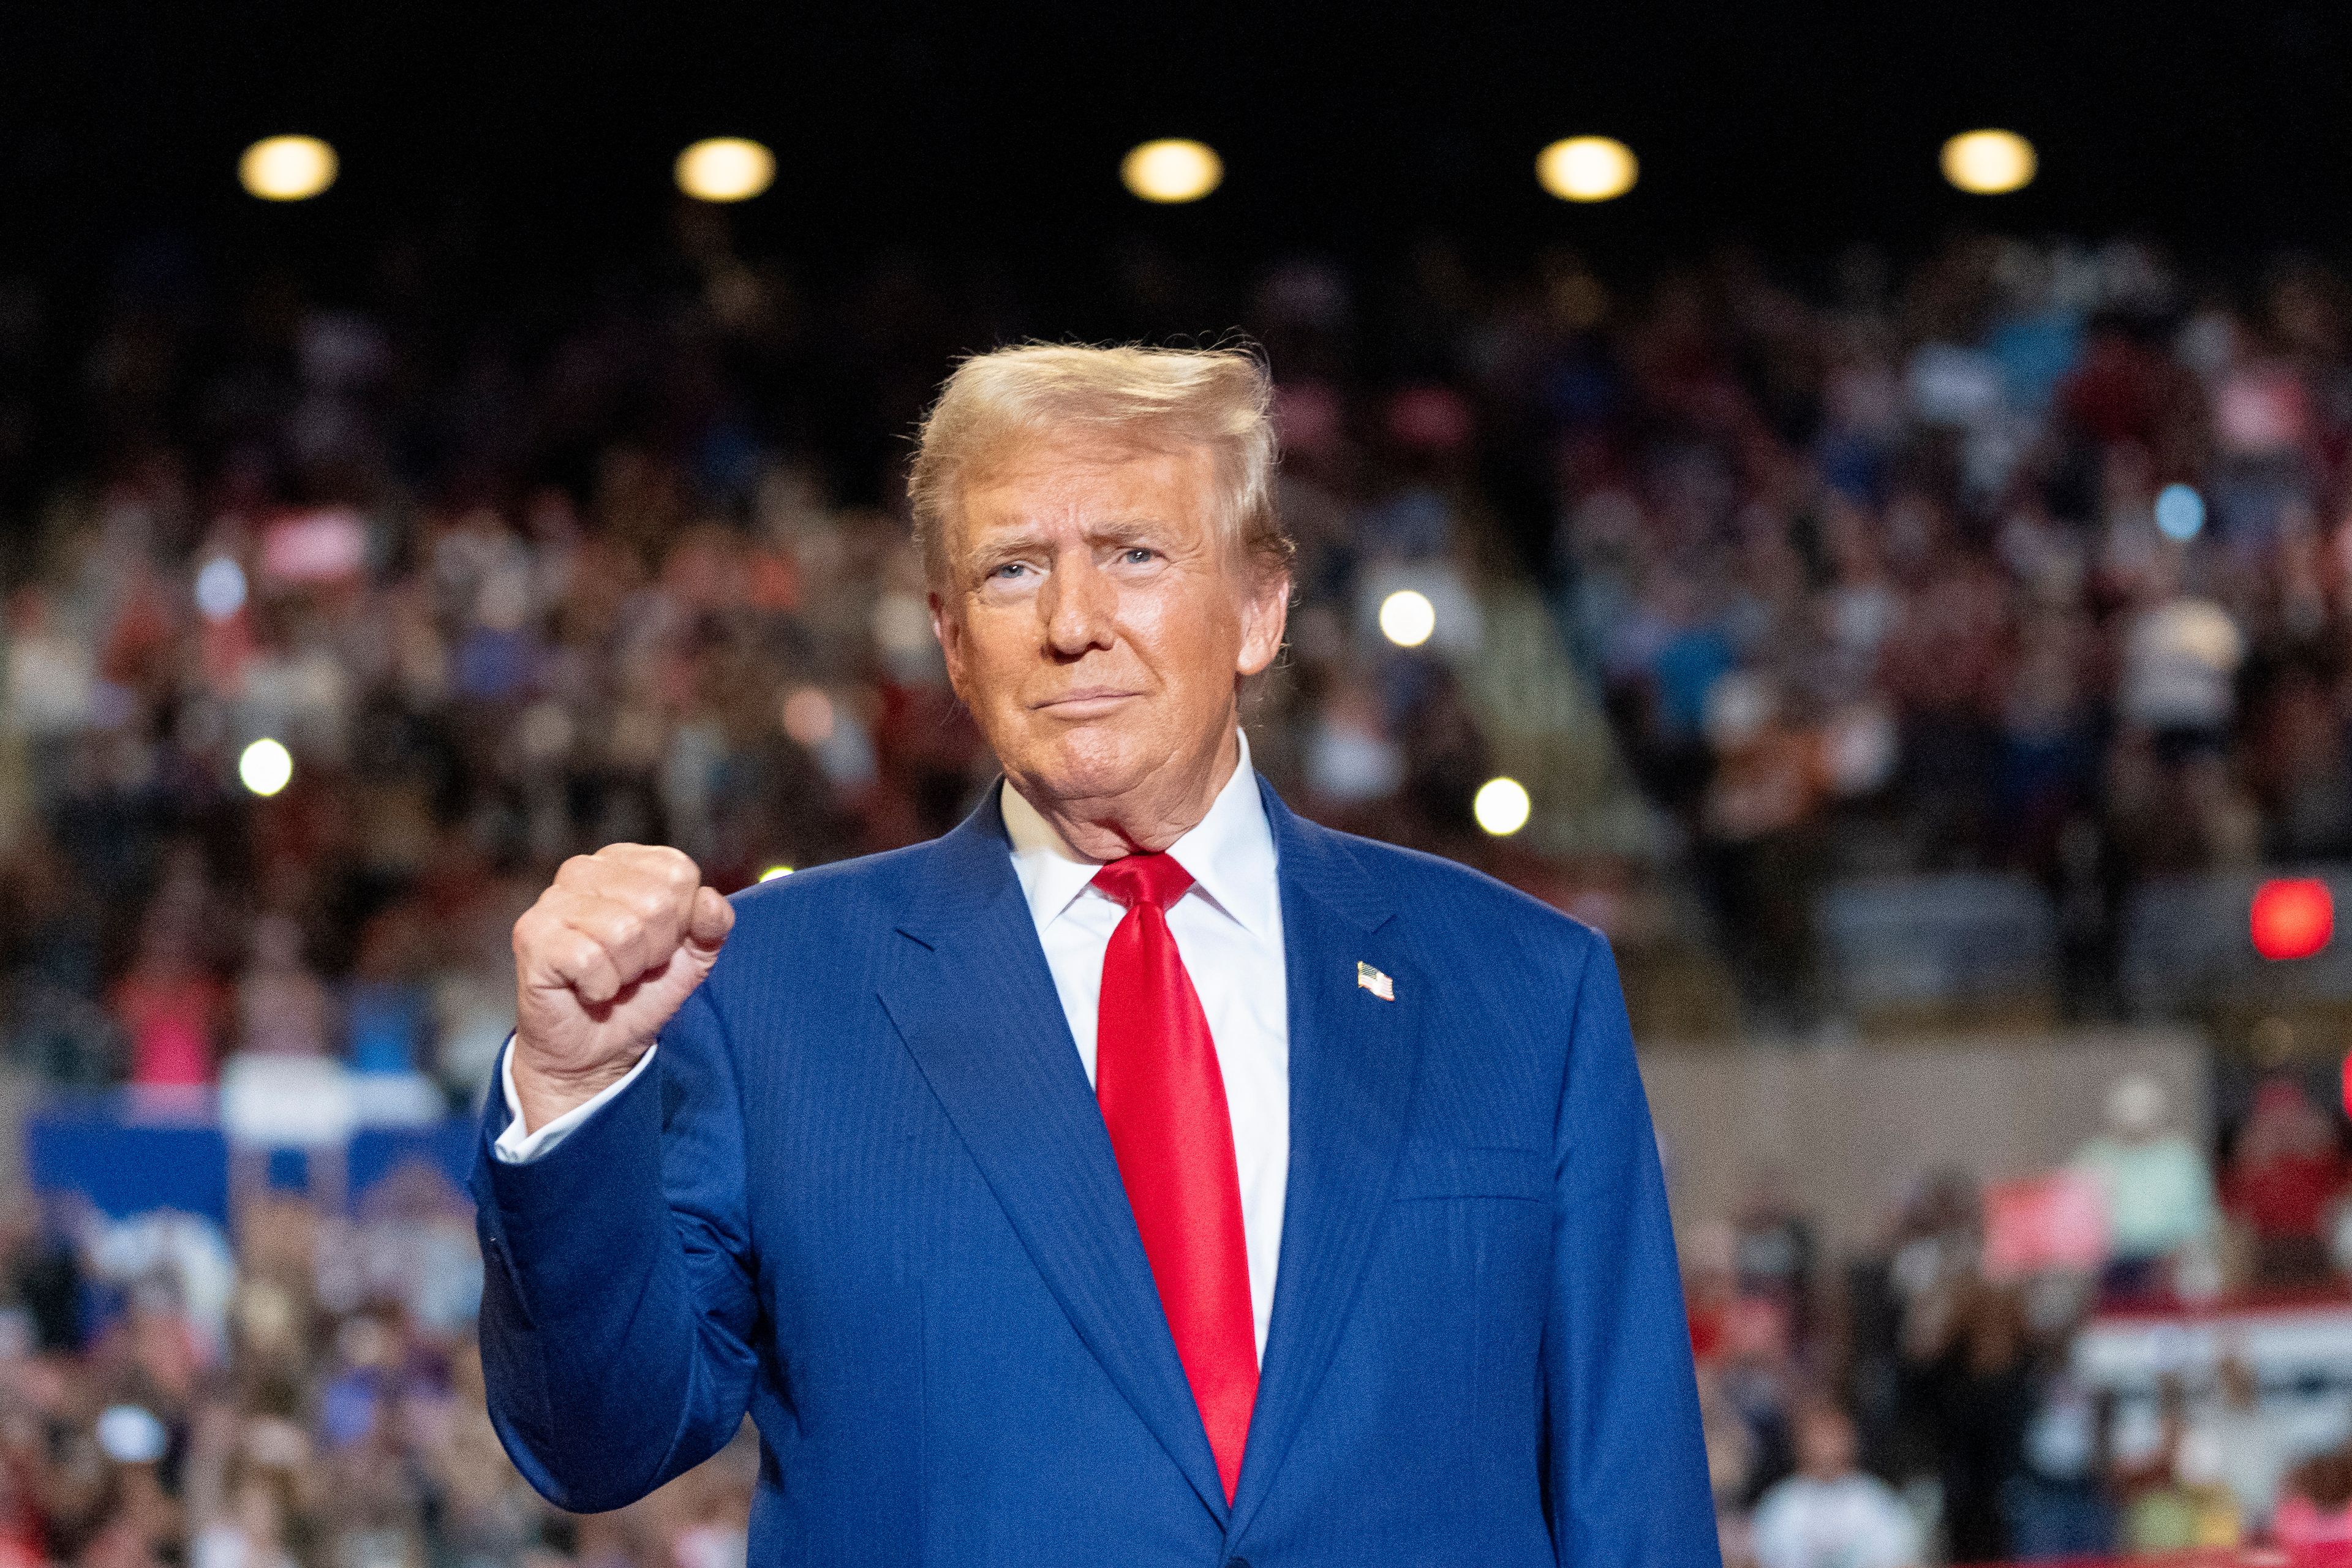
point(532, 930)
point(644, 897)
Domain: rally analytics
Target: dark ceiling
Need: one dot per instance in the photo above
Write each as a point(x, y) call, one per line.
point(995, 130)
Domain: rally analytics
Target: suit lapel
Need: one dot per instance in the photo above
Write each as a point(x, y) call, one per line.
point(1352, 1060)
point(975, 1003)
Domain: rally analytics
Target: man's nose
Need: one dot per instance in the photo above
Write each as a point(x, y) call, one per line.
point(1077, 604)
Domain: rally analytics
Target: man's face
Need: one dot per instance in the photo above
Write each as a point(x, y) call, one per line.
point(1094, 619)
point(1824, 1443)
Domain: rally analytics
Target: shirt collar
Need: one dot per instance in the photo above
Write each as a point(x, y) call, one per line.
point(1229, 853)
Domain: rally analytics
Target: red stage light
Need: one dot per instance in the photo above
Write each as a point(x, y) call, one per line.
point(2292, 918)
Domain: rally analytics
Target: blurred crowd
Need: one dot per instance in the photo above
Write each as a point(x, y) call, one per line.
point(2012, 1372)
point(302, 1390)
point(2028, 556)
point(500, 586)
point(2037, 561)
point(314, 1398)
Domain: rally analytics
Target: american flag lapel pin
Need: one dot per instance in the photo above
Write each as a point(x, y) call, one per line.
point(1374, 981)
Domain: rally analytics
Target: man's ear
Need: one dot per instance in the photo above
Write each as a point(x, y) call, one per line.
point(948, 629)
point(1265, 614)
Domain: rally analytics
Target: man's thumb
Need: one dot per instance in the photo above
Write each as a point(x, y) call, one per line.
point(710, 921)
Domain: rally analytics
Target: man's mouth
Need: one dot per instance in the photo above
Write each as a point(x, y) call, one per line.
point(1086, 701)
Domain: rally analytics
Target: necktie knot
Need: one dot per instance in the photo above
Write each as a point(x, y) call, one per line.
point(1154, 879)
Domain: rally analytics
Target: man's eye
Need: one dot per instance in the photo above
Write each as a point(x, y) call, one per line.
point(1137, 555)
point(1009, 570)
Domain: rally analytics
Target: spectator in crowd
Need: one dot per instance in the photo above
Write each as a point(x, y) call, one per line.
point(1745, 1343)
point(1773, 1245)
point(2057, 1503)
point(2184, 1501)
point(2285, 1175)
point(388, 1014)
point(1978, 1379)
point(1899, 1302)
point(1829, 1514)
point(1731, 1462)
point(169, 1005)
point(283, 1009)
point(40, 1280)
point(2158, 1187)
point(2252, 1449)
point(2315, 1509)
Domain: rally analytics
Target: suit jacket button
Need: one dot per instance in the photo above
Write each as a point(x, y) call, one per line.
point(1238, 1563)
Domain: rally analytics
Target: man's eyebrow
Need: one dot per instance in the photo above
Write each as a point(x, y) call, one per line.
point(1003, 544)
point(1109, 531)
point(1124, 530)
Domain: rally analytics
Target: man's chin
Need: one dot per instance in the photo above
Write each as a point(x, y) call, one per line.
point(1098, 768)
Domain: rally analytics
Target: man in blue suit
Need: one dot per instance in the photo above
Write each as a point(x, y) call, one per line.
point(1138, 1175)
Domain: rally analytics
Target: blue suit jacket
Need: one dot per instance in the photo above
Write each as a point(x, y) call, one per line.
point(864, 1192)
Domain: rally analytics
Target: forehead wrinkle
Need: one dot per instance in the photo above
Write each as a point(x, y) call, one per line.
point(1126, 528)
point(1045, 529)
point(1050, 482)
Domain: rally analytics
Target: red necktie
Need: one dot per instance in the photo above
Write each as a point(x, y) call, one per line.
point(1164, 1101)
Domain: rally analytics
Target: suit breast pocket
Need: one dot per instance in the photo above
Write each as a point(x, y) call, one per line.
point(1454, 1171)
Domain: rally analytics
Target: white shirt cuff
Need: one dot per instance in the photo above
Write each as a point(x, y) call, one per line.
point(516, 1147)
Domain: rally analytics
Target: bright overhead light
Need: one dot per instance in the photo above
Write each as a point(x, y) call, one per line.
point(265, 767)
point(1990, 163)
point(286, 168)
point(1588, 169)
point(773, 872)
point(1501, 806)
point(1173, 169)
point(725, 169)
point(1407, 617)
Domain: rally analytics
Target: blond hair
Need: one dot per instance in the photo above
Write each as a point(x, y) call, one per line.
point(1158, 399)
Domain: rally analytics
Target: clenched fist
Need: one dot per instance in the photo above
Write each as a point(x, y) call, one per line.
point(601, 961)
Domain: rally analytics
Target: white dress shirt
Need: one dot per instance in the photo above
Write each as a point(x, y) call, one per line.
point(1228, 928)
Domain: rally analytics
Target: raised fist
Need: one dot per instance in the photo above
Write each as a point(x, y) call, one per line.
point(601, 961)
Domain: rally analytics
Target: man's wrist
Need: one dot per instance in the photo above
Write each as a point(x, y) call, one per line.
point(542, 1095)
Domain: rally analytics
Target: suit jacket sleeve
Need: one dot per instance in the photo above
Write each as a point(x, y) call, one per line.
point(617, 1299)
point(1626, 1465)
